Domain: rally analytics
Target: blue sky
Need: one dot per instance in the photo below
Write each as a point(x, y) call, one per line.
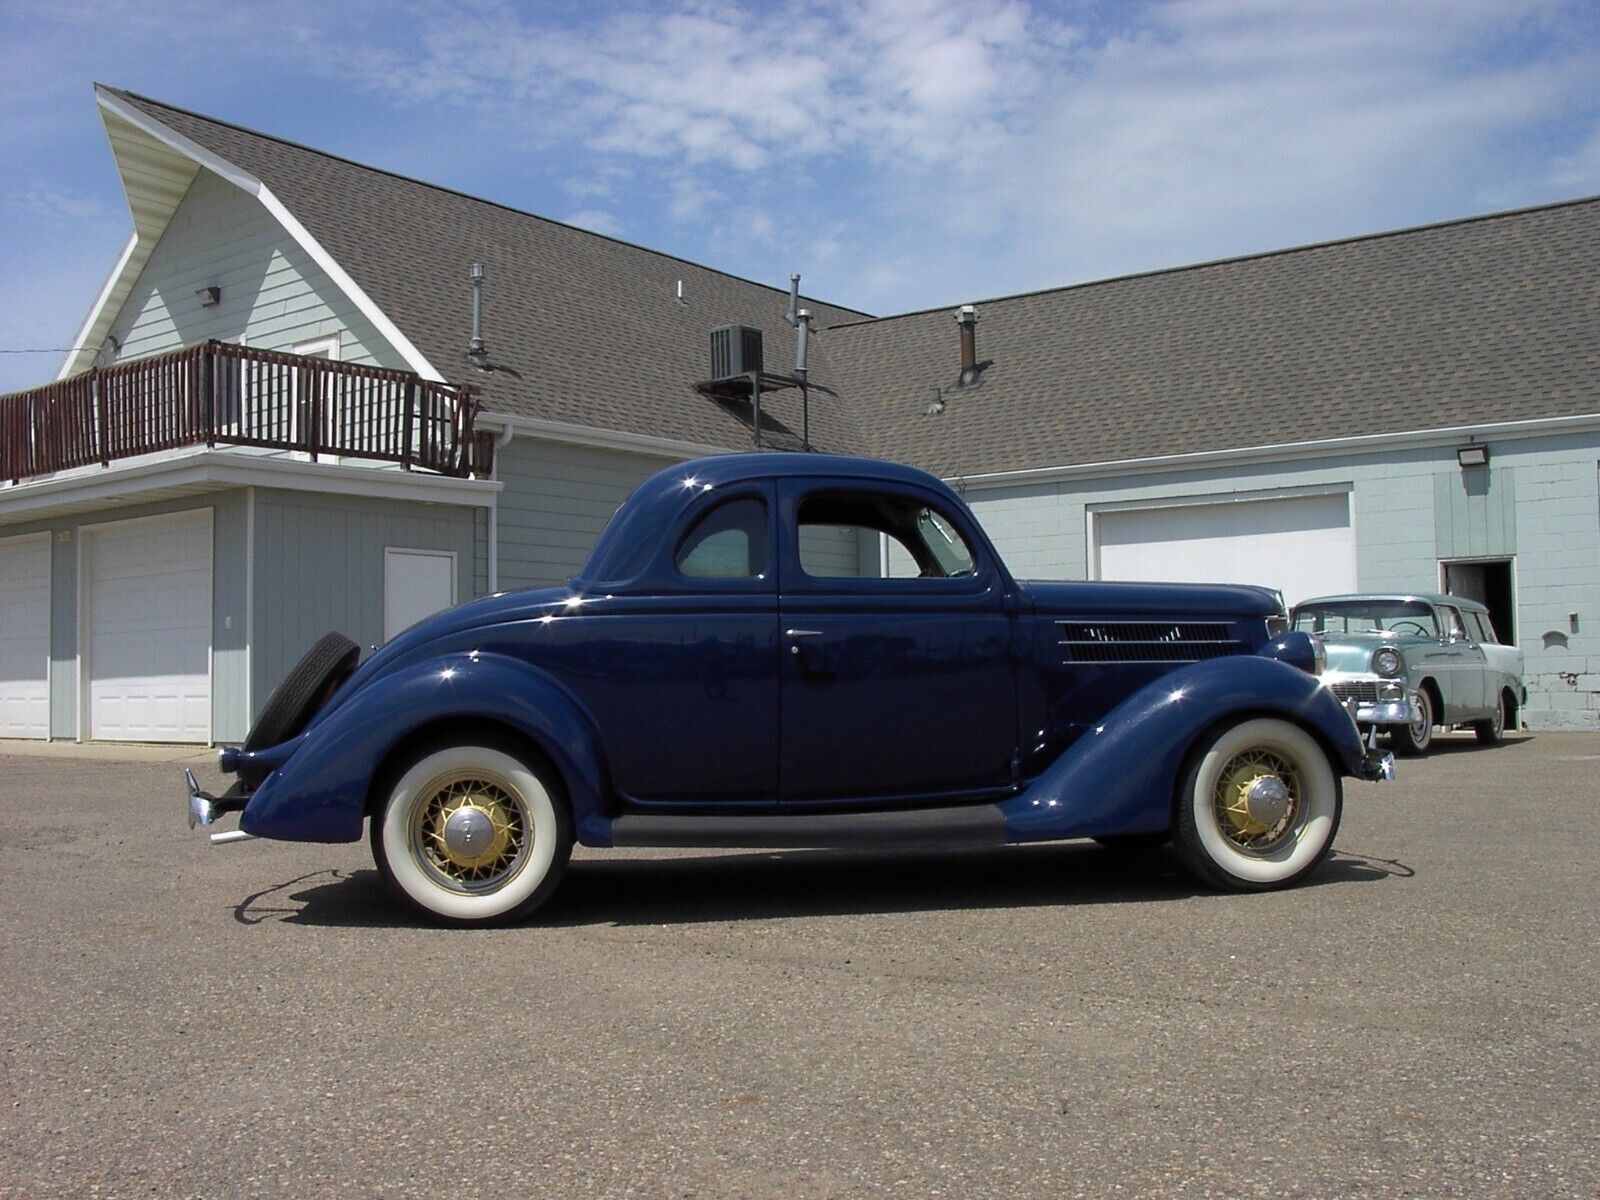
point(902, 154)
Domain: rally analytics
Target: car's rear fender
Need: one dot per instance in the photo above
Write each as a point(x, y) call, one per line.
point(1120, 776)
point(319, 794)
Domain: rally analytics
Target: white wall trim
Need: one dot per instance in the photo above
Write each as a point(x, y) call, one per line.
point(1228, 497)
point(249, 606)
point(602, 439)
point(200, 469)
point(79, 345)
point(242, 179)
point(1543, 426)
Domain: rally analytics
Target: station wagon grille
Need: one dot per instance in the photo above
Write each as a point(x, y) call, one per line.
point(1364, 691)
point(1145, 641)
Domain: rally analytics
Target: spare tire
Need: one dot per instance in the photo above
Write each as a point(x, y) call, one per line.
point(303, 691)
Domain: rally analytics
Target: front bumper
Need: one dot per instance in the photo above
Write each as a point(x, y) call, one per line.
point(1371, 699)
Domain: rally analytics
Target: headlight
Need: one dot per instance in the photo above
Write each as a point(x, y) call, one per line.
point(1386, 662)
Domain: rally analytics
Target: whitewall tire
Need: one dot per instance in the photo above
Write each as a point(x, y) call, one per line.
point(473, 834)
point(1258, 807)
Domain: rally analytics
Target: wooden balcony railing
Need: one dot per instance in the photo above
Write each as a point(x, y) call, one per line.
point(219, 394)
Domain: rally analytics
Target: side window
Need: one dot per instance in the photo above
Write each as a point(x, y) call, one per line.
point(1481, 628)
point(838, 536)
point(729, 542)
point(1454, 629)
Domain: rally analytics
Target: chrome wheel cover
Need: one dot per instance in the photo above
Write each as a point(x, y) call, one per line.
point(470, 832)
point(1259, 799)
point(1421, 727)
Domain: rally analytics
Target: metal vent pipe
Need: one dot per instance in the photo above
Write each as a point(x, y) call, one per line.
point(967, 318)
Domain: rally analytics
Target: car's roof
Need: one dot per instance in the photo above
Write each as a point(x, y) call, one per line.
point(723, 469)
point(1406, 597)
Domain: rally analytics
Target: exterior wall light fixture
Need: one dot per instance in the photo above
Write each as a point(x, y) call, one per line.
point(209, 297)
point(1473, 456)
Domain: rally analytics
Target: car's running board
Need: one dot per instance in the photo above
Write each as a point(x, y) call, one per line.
point(969, 825)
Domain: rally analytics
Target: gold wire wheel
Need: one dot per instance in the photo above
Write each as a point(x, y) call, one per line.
point(471, 831)
point(1259, 797)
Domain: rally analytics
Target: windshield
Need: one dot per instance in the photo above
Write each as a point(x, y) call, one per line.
point(1367, 616)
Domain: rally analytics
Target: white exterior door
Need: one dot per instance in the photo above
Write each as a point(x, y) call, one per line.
point(416, 584)
point(25, 637)
point(1301, 545)
point(147, 617)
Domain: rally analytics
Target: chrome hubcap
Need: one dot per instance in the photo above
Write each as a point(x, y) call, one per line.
point(467, 833)
point(1267, 801)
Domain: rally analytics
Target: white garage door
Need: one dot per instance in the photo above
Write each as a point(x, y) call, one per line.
point(148, 596)
point(25, 637)
point(1302, 545)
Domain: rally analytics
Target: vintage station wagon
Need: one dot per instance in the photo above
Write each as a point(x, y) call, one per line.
point(1415, 663)
point(803, 650)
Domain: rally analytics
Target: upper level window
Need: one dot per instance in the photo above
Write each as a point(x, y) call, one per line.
point(729, 542)
point(323, 347)
point(840, 529)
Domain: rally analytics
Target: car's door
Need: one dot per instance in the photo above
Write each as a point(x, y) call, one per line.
point(682, 677)
point(1462, 680)
point(893, 689)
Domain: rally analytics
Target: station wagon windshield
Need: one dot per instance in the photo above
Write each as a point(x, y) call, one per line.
point(1367, 616)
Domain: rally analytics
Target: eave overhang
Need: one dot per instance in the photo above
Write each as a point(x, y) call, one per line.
point(157, 165)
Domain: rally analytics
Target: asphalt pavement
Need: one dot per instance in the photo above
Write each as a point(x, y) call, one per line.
point(1420, 1019)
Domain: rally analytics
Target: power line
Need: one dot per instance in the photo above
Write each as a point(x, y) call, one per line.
point(45, 350)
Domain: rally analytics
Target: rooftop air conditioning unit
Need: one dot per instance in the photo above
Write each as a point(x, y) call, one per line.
point(735, 350)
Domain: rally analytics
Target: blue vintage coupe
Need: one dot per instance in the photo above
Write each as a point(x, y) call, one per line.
point(779, 650)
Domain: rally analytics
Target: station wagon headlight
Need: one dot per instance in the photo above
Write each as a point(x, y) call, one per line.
point(1386, 662)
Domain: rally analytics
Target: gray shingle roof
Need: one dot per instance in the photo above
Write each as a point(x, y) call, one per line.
point(592, 324)
point(1468, 322)
point(1475, 321)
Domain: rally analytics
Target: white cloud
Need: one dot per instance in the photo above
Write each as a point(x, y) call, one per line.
point(1006, 146)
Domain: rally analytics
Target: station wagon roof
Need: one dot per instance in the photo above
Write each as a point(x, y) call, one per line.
point(1434, 598)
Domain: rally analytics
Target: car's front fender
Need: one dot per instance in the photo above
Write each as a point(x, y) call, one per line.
point(319, 793)
point(1120, 776)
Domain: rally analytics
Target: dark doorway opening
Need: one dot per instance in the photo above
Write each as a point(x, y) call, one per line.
point(1489, 583)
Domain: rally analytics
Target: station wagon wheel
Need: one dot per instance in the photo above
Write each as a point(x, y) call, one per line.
point(1491, 731)
point(473, 834)
point(1258, 806)
point(1415, 737)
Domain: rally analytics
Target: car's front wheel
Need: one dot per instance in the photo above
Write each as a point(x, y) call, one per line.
point(473, 833)
point(1415, 738)
point(1258, 806)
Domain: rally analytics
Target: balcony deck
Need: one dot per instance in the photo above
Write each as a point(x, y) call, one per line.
point(220, 394)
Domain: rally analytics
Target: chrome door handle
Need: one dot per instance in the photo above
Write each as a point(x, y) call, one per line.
point(802, 633)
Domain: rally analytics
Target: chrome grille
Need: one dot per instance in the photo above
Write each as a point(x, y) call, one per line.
point(1145, 641)
point(1364, 691)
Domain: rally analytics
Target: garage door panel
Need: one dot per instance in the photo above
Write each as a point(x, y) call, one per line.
point(149, 614)
point(25, 638)
point(1302, 545)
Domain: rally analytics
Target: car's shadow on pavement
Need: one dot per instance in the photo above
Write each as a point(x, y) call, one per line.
point(769, 885)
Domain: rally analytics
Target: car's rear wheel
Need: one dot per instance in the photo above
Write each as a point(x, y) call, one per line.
point(1491, 731)
point(473, 834)
point(1415, 737)
point(1258, 806)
